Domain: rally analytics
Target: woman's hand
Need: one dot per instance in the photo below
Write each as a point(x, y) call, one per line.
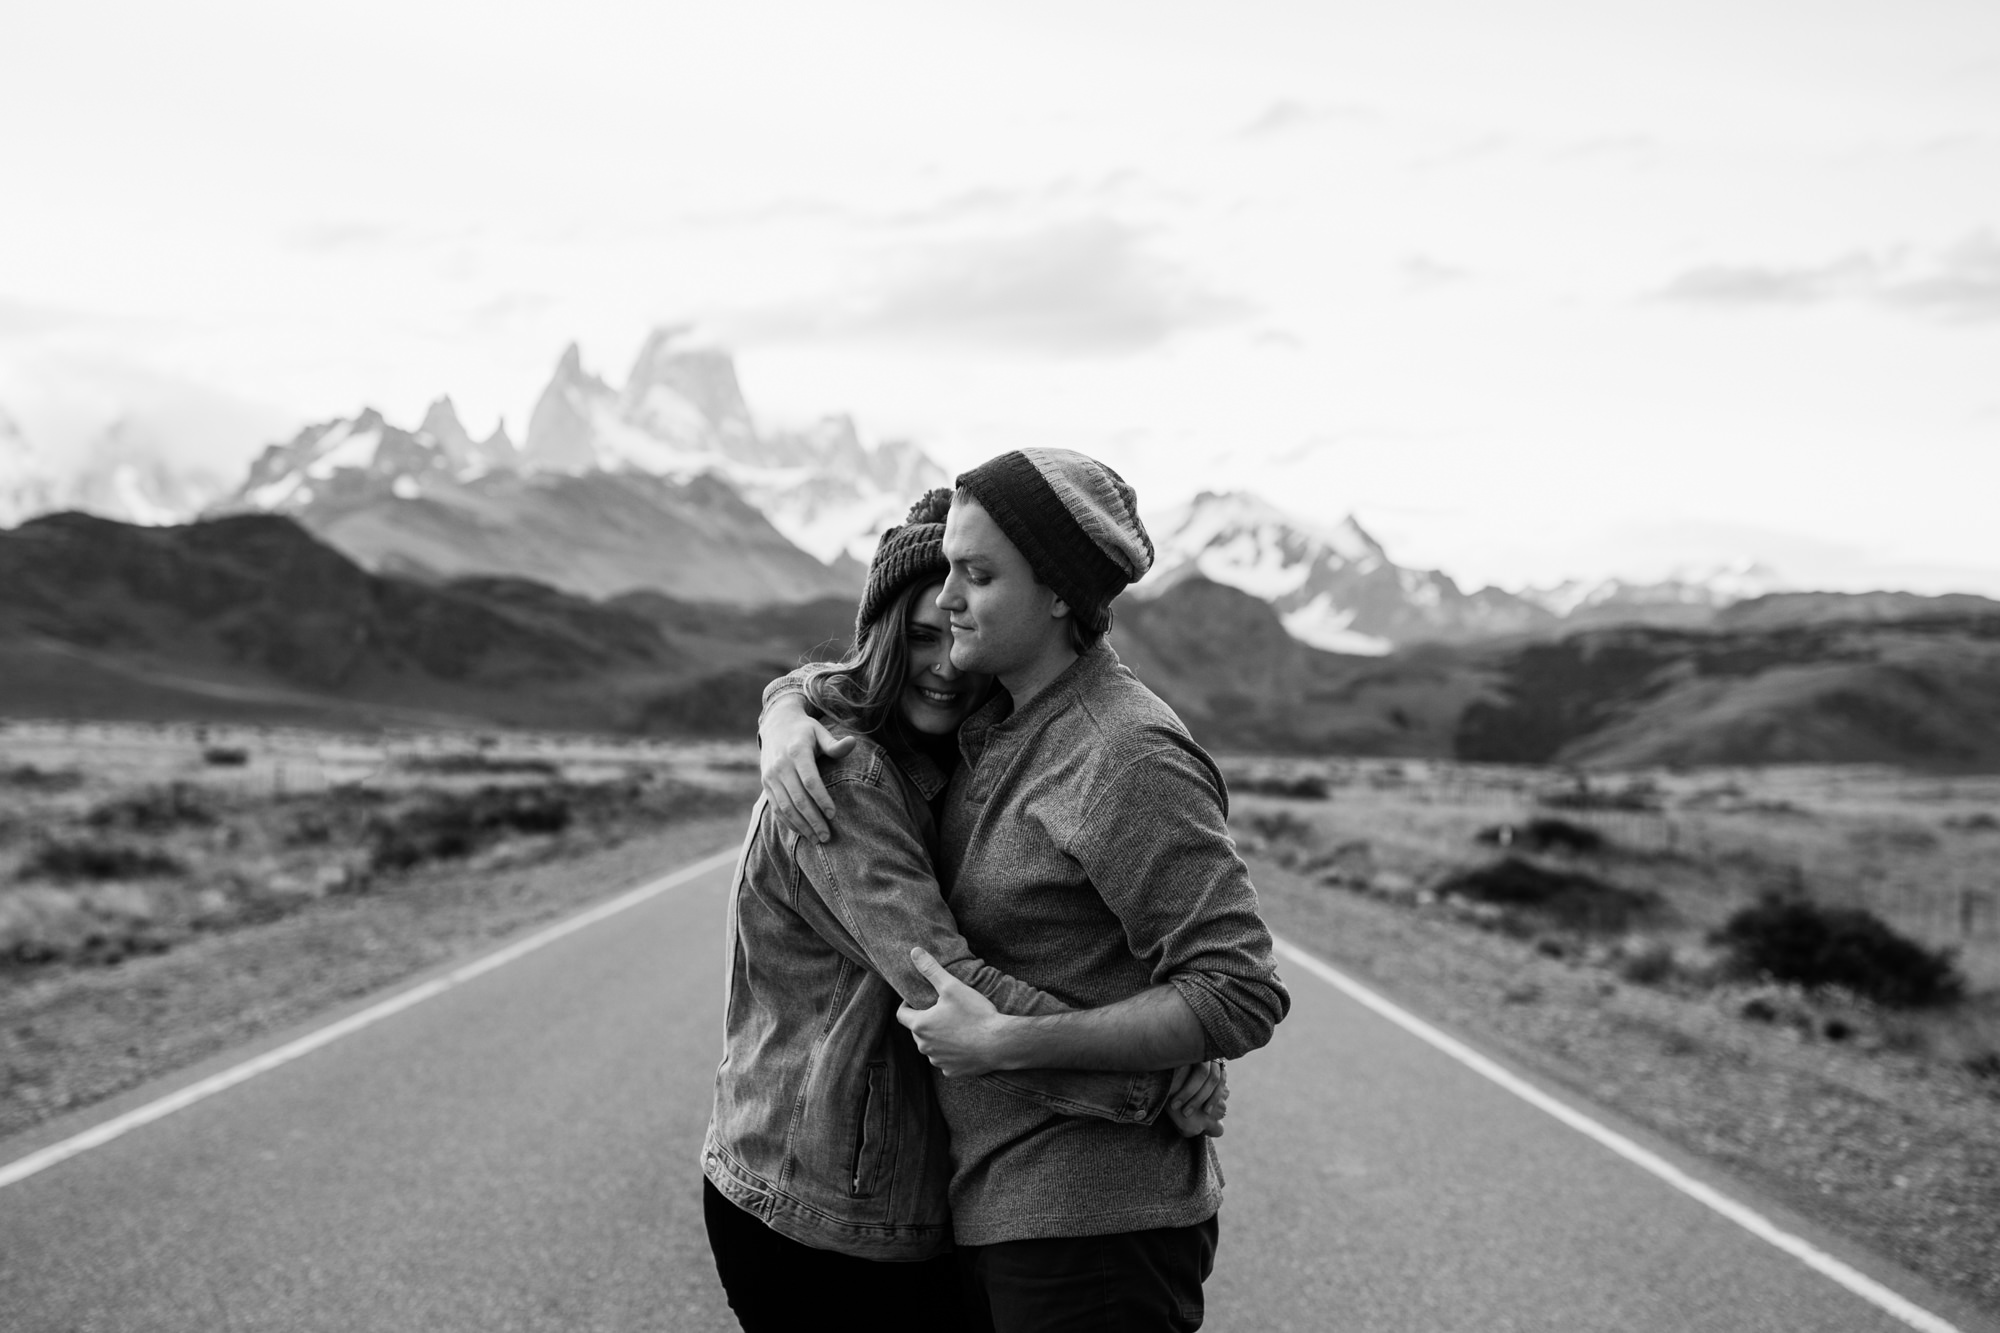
point(788, 766)
point(1198, 1098)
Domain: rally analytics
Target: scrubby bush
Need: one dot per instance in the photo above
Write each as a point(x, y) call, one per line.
point(1544, 834)
point(1977, 822)
point(1638, 796)
point(1796, 940)
point(451, 765)
point(1648, 963)
point(155, 810)
point(1304, 787)
point(447, 827)
point(1281, 826)
point(27, 777)
point(1568, 898)
point(68, 861)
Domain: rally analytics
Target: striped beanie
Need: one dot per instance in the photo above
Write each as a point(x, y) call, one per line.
point(906, 554)
point(1075, 520)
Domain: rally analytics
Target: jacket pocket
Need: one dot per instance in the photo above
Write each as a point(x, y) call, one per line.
point(870, 1130)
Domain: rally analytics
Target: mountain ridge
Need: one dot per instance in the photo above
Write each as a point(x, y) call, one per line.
point(250, 616)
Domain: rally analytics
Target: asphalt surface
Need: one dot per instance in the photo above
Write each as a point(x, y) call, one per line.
point(519, 1153)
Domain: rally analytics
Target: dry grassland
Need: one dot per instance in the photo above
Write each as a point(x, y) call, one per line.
point(1882, 1121)
point(167, 893)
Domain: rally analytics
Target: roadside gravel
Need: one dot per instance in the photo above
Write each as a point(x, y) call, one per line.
point(72, 1036)
point(1900, 1153)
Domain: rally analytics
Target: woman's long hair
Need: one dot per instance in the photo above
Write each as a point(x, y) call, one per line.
point(861, 690)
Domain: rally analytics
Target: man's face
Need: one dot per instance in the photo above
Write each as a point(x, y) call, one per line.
point(1002, 621)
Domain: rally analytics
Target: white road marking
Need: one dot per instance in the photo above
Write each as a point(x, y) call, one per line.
point(1750, 1220)
point(98, 1135)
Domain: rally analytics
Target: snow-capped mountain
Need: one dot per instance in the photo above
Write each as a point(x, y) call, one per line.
point(1686, 597)
point(682, 413)
point(1334, 587)
point(666, 484)
point(435, 504)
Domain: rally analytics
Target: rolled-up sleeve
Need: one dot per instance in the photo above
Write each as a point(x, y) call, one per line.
point(1157, 848)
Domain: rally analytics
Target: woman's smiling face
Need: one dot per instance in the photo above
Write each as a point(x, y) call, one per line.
point(936, 695)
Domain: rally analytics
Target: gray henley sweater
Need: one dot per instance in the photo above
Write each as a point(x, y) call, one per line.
point(1084, 851)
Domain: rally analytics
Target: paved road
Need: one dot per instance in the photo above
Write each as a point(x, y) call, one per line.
point(518, 1153)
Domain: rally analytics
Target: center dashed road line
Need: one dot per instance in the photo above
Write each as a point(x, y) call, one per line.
point(1749, 1219)
point(98, 1135)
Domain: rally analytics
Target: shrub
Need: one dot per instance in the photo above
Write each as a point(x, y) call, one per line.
point(1544, 834)
point(1797, 940)
point(1649, 964)
point(225, 756)
point(1577, 901)
point(29, 778)
point(1281, 827)
point(156, 810)
point(1583, 796)
point(452, 826)
point(448, 765)
point(93, 860)
point(1305, 787)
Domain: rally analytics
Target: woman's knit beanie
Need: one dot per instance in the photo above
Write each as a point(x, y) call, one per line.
point(1075, 520)
point(905, 555)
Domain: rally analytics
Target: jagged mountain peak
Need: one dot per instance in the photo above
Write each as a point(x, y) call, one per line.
point(1333, 586)
point(1220, 515)
point(465, 455)
point(500, 443)
point(682, 413)
point(442, 424)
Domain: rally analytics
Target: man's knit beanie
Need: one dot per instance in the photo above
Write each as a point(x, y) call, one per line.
point(1075, 520)
point(906, 554)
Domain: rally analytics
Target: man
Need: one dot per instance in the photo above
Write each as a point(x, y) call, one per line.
point(1084, 850)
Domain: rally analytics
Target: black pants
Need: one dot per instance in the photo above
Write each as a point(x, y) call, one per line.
point(777, 1285)
point(1131, 1282)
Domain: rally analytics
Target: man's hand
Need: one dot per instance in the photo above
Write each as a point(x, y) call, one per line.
point(962, 1034)
point(1198, 1098)
point(789, 770)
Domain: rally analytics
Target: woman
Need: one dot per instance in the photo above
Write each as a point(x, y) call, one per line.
point(825, 1165)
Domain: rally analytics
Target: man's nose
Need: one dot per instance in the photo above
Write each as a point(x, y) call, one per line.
point(950, 597)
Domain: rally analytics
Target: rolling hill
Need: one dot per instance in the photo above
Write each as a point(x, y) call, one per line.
point(251, 617)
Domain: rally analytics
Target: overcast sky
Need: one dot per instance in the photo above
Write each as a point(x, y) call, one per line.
point(1535, 289)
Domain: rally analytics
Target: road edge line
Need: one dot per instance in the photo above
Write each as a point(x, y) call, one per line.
point(202, 1089)
point(1857, 1282)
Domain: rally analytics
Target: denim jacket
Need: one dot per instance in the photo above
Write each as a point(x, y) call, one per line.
point(825, 1125)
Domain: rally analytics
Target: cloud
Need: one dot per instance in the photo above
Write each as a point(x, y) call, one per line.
point(1422, 273)
point(1286, 115)
point(792, 208)
point(1281, 115)
point(1963, 285)
point(20, 319)
point(1753, 285)
point(1283, 340)
point(1075, 287)
point(325, 237)
point(1958, 284)
point(508, 309)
